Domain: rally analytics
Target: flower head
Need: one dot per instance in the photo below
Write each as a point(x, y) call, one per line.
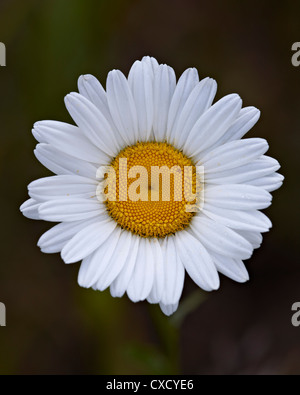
point(154, 180)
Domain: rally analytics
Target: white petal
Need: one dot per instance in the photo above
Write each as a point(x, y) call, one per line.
point(269, 183)
point(120, 284)
point(55, 238)
point(30, 209)
point(57, 187)
point(164, 86)
point(220, 239)
point(142, 278)
point(246, 119)
point(212, 125)
point(185, 85)
point(168, 309)
point(91, 88)
point(196, 261)
point(159, 273)
point(199, 100)
point(141, 84)
point(151, 63)
point(174, 273)
point(70, 209)
point(233, 154)
point(122, 107)
point(61, 163)
point(97, 263)
point(237, 197)
point(92, 123)
point(232, 268)
point(260, 167)
point(87, 240)
point(68, 139)
point(117, 261)
point(255, 238)
point(251, 220)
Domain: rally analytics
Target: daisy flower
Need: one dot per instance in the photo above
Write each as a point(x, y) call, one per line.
point(142, 246)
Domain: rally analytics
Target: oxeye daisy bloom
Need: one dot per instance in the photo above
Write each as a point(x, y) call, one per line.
point(144, 245)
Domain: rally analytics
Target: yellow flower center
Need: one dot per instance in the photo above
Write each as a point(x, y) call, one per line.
point(154, 189)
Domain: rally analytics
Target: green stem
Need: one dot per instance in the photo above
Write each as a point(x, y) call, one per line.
point(168, 329)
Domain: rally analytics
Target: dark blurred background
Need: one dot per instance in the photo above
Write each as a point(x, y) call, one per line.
point(56, 327)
